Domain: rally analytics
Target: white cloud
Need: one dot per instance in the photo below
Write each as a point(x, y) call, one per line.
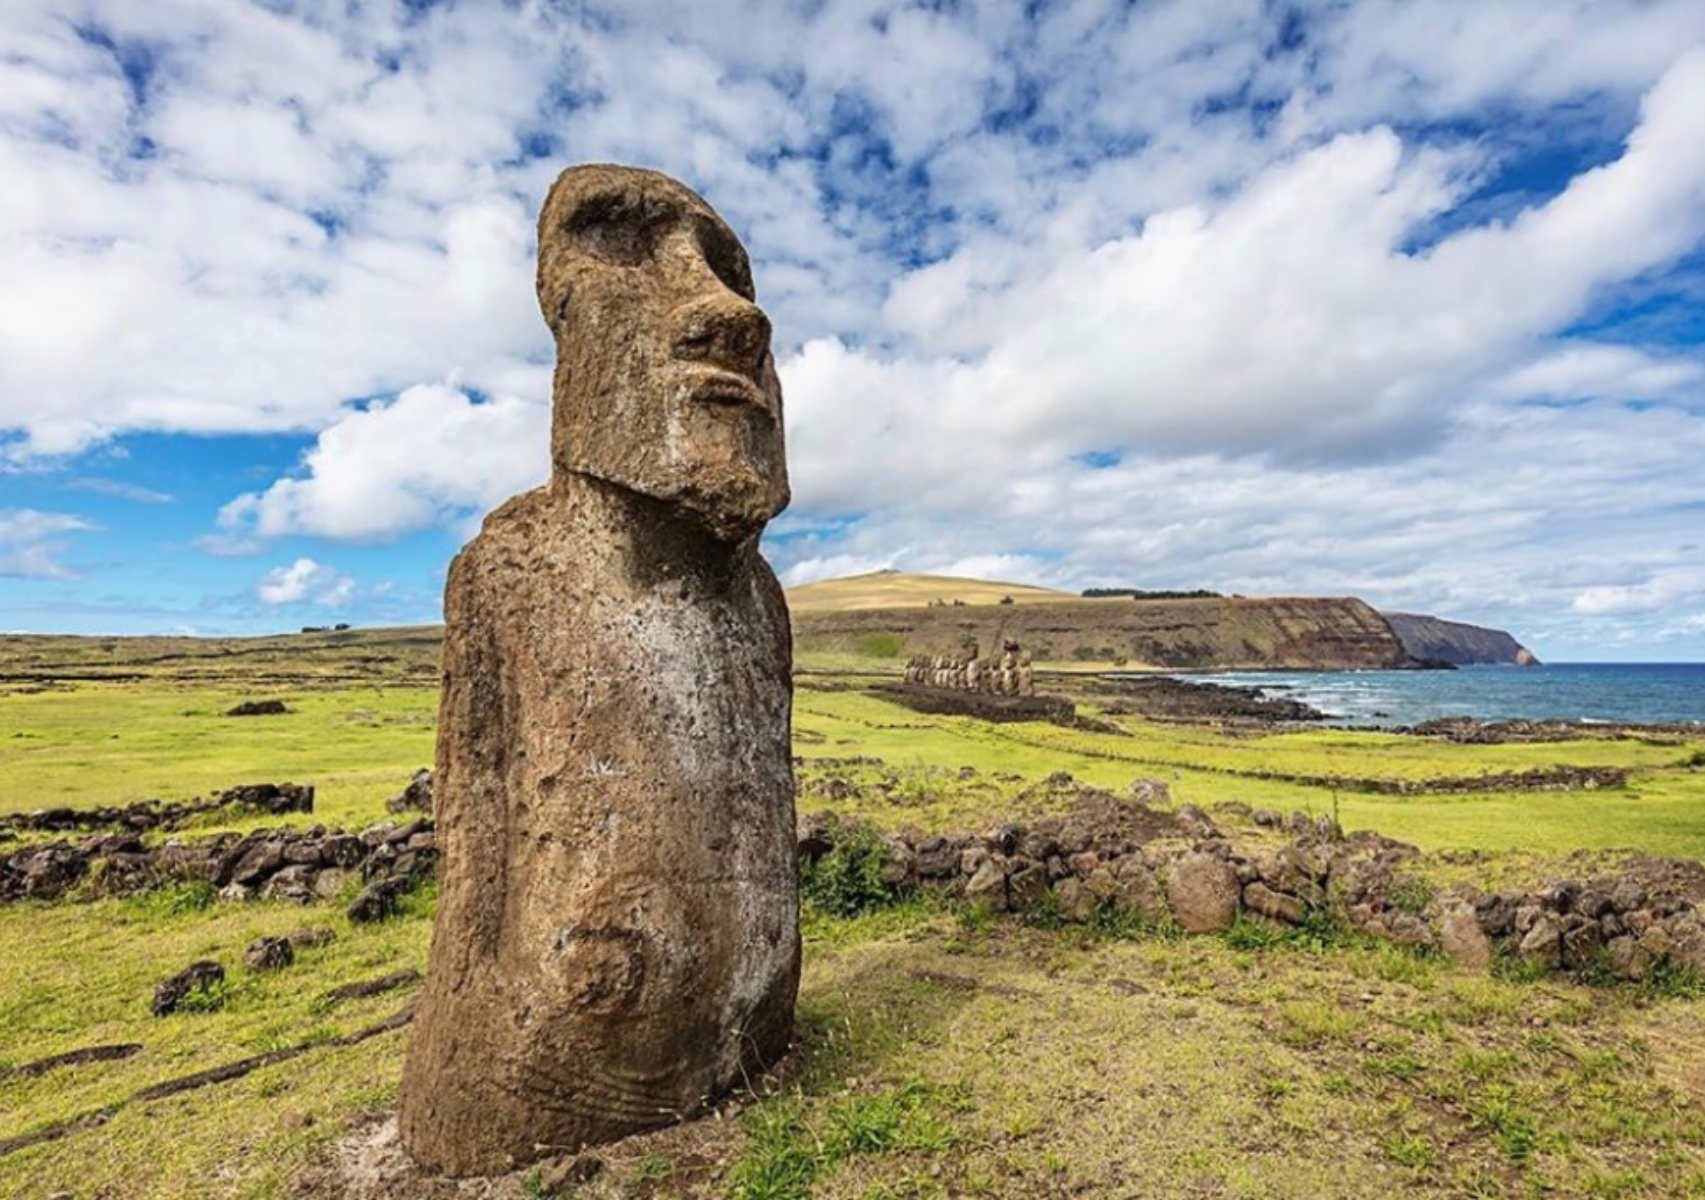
point(1248, 264)
point(428, 458)
point(1288, 319)
point(305, 582)
point(1662, 590)
point(120, 490)
point(31, 545)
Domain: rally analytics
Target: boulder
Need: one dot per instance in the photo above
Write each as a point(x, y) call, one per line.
point(258, 708)
point(377, 900)
point(294, 884)
point(1026, 886)
point(1137, 889)
point(1077, 902)
point(1276, 906)
point(269, 954)
point(416, 797)
point(1542, 944)
point(1202, 892)
point(197, 976)
point(1627, 958)
point(1463, 938)
point(988, 885)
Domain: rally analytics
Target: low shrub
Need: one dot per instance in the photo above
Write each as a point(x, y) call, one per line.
point(848, 879)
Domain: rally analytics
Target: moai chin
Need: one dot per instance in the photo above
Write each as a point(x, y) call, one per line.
point(617, 932)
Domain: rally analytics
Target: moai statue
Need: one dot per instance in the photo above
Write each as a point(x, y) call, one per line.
point(617, 938)
point(1009, 671)
point(973, 671)
point(1026, 676)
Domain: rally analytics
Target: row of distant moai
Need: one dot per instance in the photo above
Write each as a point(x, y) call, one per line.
point(1009, 675)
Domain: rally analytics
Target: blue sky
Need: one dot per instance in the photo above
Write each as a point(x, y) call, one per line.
point(1393, 298)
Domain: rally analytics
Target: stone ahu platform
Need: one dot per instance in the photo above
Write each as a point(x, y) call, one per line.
point(987, 706)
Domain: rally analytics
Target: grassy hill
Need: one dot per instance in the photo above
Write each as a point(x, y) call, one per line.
point(1199, 633)
point(904, 589)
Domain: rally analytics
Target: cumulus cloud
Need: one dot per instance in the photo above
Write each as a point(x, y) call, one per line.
point(31, 545)
point(304, 582)
point(1660, 590)
point(1182, 293)
point(1290, 319)
point(431, 456)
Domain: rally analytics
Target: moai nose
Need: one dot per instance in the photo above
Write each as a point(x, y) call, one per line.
point(723, 330)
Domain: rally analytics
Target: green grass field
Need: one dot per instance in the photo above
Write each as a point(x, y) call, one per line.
point(942, 1053)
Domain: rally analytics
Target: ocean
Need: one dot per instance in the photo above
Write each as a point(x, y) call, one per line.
point(1643, 692)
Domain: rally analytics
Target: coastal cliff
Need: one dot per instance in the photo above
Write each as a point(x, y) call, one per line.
point(1205, 633)
point(1434, 639)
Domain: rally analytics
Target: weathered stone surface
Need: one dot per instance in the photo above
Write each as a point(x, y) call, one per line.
point(197, 976)
point(377, 900)
point(295, 884)
point(1138, 889)
point(1202, 891)
point(258, 708)
point(416, 797)
point(1277, 906)
point(1077, 902)
point(1627, 958)
point(1462, 938)
point(1542, 944)
point(617, 931)
point(1027, 885)
point(269, 954)
point(987, 885)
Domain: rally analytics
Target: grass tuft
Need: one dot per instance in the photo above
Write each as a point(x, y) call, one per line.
point(786, 1154)
point(847, 881)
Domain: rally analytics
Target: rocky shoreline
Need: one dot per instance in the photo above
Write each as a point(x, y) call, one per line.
point(1167, 698)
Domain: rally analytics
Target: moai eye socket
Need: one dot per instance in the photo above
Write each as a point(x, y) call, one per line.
point(620, 228)
point(727, 258)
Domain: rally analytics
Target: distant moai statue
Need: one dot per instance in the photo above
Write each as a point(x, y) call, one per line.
point(1026, 676)
point(973, 670)
point(617, 937)
point(1009, 670)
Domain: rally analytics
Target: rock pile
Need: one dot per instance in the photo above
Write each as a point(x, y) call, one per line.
point(416, 797)
point(1183, 870)
point(258, 708)
point(270, 864)
point(274, 799)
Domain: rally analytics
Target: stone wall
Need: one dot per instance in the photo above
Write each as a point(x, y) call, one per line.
point(275, 799)
point(270, 864)
point(1182, 870)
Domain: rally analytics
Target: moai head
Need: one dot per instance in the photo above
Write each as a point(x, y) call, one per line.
point(665, 384)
